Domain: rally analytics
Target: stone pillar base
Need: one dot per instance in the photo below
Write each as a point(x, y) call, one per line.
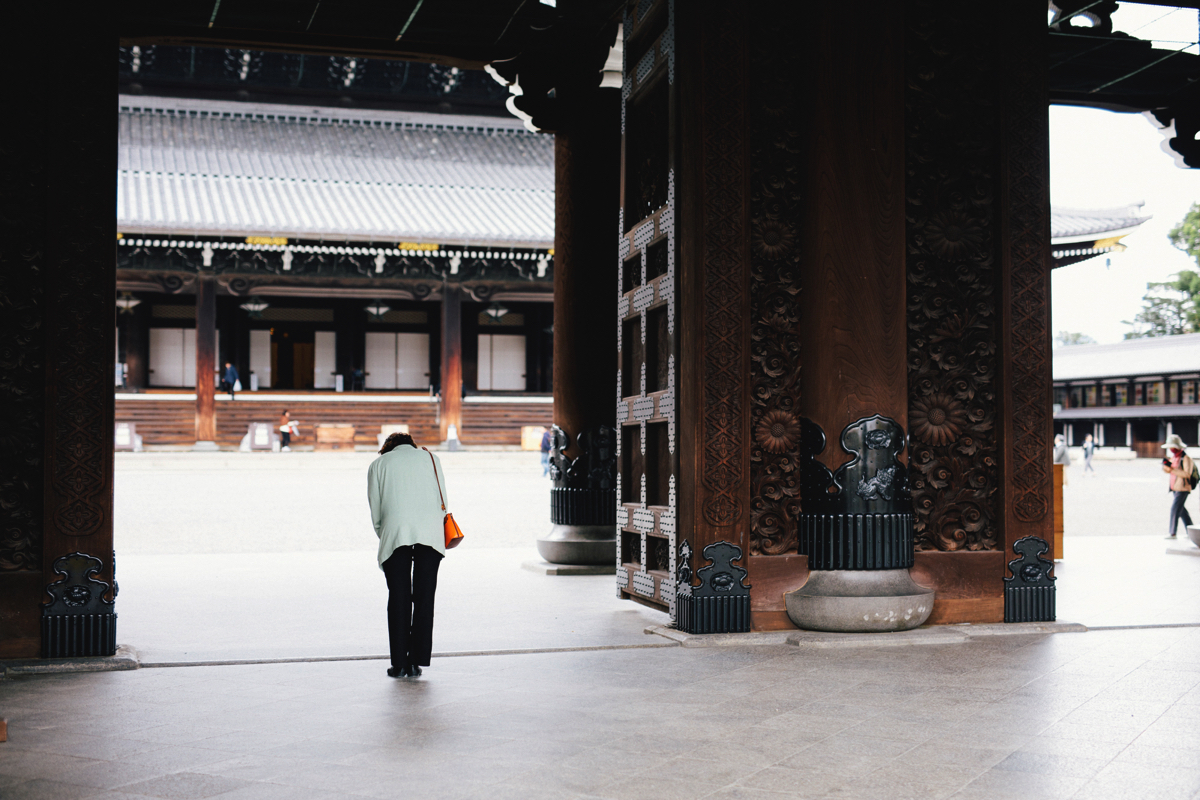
point(580, 544)
point(205, 447)
point(859, 601)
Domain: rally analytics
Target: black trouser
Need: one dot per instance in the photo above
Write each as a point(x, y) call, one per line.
point(412, 581)
point(285, 438)
point(1179, 511)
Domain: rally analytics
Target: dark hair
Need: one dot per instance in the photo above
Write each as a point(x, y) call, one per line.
point(395, 440)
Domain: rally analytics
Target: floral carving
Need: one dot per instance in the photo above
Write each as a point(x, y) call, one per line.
point(772, 239)
point(953, 235)
point(775, 125)
point(937, 419)
point(777, 432)
point(952, 148)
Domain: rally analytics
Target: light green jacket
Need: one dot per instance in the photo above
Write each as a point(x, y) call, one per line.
point(404, 500)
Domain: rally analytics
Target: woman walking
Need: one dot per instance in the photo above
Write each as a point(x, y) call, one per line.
point(406, 490)
point(1179, 466)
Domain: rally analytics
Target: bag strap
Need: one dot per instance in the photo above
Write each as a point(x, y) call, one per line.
point(436, 479)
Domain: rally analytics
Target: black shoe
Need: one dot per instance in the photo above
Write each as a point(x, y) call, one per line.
point(413, 671)
point(398, 672)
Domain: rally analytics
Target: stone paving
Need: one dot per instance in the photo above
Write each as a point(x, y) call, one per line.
point(272, 557)
point(1109, 714)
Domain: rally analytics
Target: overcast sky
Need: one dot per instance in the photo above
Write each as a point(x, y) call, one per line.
point(1100, 159)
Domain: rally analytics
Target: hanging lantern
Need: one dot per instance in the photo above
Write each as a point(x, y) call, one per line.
point(255, 306)
point(377, 309)
point(126, 302)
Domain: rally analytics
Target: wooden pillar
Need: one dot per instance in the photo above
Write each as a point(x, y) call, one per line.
point(587, 182)
point(206, 362)
point(711, 45)
point(586, 195)
point(1026, 383)
point(57, 324)
point(452, 372)
point(137, 343)
point(852, 306)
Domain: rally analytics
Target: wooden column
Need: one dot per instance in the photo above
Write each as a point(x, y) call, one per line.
point(206, 360)
point(56, 328)
point(1027, 393)
point(586, 198)
point(852, 305)
point(452, 372)
point(714, 240)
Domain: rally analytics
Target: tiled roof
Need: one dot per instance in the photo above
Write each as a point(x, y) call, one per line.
point(1087, 224)
point(202, 167)
point(1163, 355)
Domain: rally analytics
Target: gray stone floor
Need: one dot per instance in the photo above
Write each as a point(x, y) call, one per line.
point(1110, 714)
point(228, 557)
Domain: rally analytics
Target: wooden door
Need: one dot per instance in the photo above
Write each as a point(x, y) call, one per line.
point(508, 362)
point(412, 361)
point(324, 359)
point(381, 361)
point(166, 357)
point(303, 358)
point(262, 358)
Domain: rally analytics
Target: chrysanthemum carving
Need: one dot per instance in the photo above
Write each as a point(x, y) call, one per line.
point(777, 432)
point(773, 239)
point(953, 235)
point(937, 419)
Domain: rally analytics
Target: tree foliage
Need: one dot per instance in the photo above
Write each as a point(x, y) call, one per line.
point(1173, 307)
point(1067, 338)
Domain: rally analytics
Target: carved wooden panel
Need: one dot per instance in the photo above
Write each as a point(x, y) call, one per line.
point(953, 275)
point(647, 310)
point(724, 355)
point(1027, 289)
point(775, 125)
point(22, 354)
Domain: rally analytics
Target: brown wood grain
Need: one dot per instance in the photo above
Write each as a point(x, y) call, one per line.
point(713, 273)
point(452, 364)
point(206, 358)
point(853, 323)
point(969, 585)
point(771, 577)
point(587, 185)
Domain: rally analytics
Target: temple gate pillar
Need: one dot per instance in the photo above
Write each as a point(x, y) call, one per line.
point(58, 284)
point(583, 500)
point(450, 409)
point(206, 363)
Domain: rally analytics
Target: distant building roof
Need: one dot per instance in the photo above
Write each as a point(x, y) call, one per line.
point(1087, 224)
point(1077, 234)
point(224, 168)
point(1155, 356)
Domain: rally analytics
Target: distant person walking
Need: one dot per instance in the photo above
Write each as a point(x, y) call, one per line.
point(286, 428)
point(1061, 456)
point(406, 488)
point(1089, 450)
point(546, 440)
point(230, 381)
point(1178, 464)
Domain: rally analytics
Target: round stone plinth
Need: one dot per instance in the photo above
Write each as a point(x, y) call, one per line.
point(859, 601)
point(580, 544)
point(1194, 535)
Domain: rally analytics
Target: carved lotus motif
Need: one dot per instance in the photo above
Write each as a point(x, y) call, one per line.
point(777, 432)
point(772, 239)
point(953, 235)
point(937, 419)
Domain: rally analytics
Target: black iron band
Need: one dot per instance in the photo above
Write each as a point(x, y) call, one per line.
point(856, 541)
point(583, 506)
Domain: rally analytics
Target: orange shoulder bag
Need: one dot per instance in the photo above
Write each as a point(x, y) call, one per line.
point(454, 534)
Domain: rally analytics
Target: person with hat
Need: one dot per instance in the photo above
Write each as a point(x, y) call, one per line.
point(1178, 464)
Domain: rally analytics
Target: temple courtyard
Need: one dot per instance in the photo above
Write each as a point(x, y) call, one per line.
point(250, 597)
